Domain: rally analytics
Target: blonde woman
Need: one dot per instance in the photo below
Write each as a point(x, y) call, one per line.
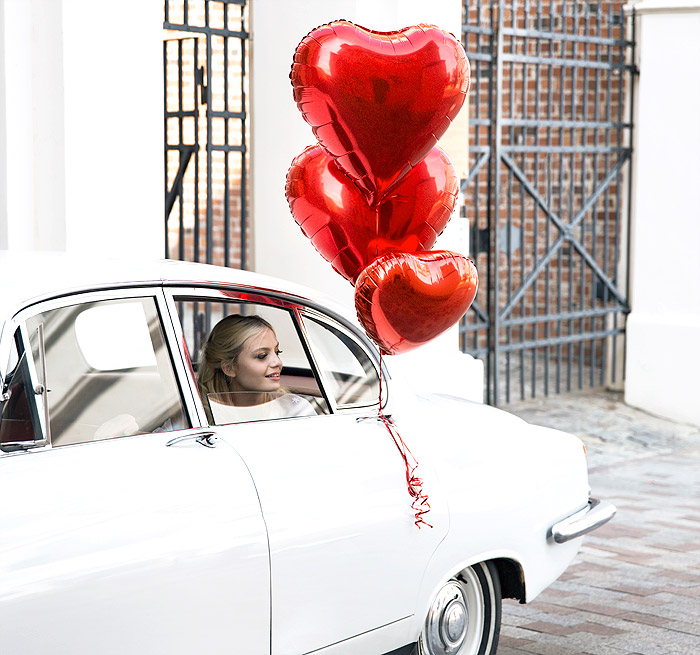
point(240, 371)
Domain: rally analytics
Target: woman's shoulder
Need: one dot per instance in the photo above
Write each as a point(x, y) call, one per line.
point(296, 405)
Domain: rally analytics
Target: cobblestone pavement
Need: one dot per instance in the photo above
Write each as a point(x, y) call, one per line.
point(634, 588)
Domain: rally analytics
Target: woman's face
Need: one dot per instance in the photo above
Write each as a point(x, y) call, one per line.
point(258, 366)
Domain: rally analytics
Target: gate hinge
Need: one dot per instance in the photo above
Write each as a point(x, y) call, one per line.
point(199, 79)
point(479, 239)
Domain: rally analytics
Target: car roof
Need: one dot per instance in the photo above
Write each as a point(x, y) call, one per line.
point(27, 277)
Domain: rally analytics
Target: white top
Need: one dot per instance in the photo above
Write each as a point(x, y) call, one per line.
point(284, 405)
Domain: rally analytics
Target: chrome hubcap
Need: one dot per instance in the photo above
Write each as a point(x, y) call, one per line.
point(455, 622)
point(447, 622)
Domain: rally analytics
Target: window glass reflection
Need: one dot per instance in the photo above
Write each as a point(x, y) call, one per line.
point(347, 367)
point(108, 371)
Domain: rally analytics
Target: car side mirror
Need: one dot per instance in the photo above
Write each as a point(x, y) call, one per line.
point(24, 423)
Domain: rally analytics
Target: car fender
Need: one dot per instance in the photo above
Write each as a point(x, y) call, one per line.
point(505, 482)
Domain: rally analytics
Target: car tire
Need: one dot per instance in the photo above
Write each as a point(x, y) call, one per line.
point(465, 615)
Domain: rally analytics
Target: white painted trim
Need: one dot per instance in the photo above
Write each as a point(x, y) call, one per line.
point(663, 7)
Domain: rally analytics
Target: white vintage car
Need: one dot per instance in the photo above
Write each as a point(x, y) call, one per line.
point(131, 523)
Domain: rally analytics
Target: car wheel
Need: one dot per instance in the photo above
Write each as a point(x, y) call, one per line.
point(465, 616)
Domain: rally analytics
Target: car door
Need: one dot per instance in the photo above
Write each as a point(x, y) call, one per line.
point(132, 530)
point(346, 555)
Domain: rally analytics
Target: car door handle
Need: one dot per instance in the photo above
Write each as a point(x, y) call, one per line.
point(207, 439)
point(374, 417)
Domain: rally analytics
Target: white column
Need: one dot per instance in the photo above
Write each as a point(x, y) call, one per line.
point(31, 122)
point(279, 134)
point(113, 73)
point(81, 126)
point(663, 329)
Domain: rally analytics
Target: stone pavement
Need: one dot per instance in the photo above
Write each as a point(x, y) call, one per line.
point(634, 588)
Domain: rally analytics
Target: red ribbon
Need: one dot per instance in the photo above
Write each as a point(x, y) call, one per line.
point(420, 504)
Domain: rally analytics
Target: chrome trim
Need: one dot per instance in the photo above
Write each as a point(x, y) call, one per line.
point(596, 513)
point(373, 417)
point(207, 439)
point(303, 333)
point(174, 338)
point(42, 388)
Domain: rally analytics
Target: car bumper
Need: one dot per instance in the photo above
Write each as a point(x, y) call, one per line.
point(591, 517)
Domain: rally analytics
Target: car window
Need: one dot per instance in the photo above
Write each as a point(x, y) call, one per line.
point(243, 386)
point(108, 371)
point(348, 369)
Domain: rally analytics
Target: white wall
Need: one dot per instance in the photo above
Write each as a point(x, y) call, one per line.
point(113, 76)
point(81, 126)
point(663, 329)
point(31, 116)
point(279, 134)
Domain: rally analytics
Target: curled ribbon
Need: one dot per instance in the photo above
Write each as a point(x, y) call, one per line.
point(420, 504)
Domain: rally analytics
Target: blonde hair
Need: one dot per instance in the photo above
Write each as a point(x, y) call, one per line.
point(222, 348)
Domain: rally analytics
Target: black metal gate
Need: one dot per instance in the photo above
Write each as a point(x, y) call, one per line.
point(206, 131)
point(547, 192)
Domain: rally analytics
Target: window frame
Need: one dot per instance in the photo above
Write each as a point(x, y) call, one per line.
point(324, 320)
point(41, 430)
point(297, 308)
point(147, 291)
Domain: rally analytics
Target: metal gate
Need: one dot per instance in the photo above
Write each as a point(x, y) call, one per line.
point(547, 192)
point(206, 131)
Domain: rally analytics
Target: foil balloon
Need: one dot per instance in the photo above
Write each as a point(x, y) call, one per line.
point(404, 300)
point(347, 231)
point(379, 101)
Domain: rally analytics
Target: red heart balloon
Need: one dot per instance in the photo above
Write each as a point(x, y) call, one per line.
point(379, 101)
point(404, 300)
point(347, 232)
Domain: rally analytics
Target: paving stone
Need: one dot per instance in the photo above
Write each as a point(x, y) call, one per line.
point(512, 642)
point(690, 517)
point(597, 629)
point(550, 608)
point(634, 590)
point(615, 530)
point(643, 617)
point(505, 648)
point(601, 609)
point(687, 628)
point(686, 547)
point(548, 628)
point(694, 580)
